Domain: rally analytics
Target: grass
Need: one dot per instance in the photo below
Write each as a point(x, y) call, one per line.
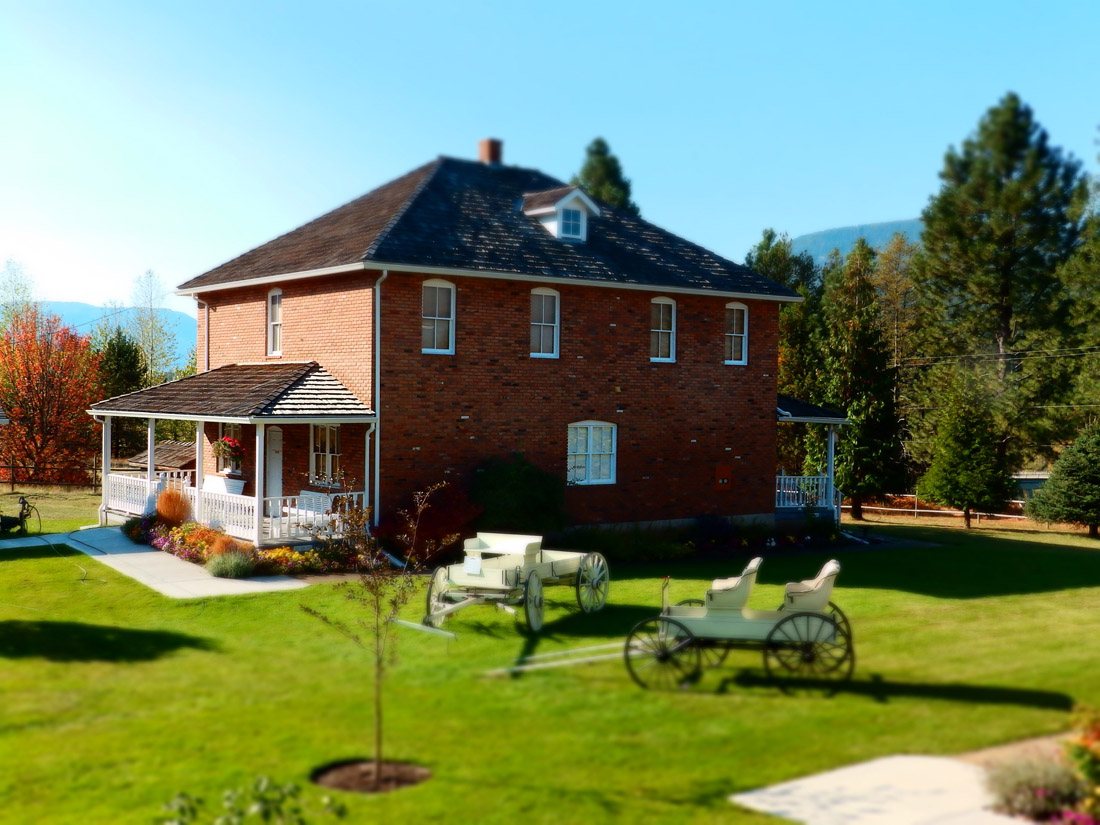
point(61, 510)
point(116, 698)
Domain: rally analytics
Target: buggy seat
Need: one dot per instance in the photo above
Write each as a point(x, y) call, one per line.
point(485, 545)
point(732, 593)
point(812, 594)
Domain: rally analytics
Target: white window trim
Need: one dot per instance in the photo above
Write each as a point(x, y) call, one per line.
point(672, 333)
point(272, 324)
point(581, 223)
point(744, 335)
point(223, 465)
point(327, 480)
point(557, 321)
point(436, 282)
point(588, 480)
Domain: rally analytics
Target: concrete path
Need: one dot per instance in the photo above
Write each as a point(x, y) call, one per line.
point(161, 571)
point(894, 790)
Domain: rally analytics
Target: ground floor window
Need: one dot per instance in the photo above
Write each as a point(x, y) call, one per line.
point(324, 465)
point(227, 464)
point(591, 455)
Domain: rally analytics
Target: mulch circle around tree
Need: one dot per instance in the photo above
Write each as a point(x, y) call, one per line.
point(357, 775)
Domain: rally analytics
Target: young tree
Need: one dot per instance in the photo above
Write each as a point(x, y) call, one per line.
point(1072, 493)
point(1008, 215)
point(16, 293)
point(148, 324)
point(601, 176)
point(968, 471)
point(860, 381)
point(897, 295)
point(49, 376)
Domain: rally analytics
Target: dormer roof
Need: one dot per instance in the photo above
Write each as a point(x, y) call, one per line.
point(551, 200)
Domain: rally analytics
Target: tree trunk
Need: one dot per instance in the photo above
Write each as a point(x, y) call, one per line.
point(966, 517)
point(1094, 531)
point(857, 508)
point(379, 667)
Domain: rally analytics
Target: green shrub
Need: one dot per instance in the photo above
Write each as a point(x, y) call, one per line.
point(515, 496)
point(631, 543)
point(1034, 788)
point(234, 565)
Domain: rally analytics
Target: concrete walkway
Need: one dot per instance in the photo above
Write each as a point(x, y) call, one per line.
point(894, 790)
point(161, 571)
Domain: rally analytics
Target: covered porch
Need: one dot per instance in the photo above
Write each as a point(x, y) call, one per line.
point(301, 448)
point(810, 492)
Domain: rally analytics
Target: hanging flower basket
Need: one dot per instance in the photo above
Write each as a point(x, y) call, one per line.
point(229, 449)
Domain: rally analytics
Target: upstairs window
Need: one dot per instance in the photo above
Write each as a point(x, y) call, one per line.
point(662, 329)
point(571, 223)
point(275, 322)
point(437, 327)
point(230, 466)
point(591, 453)
point(324, 463)
point(544, 323)
point(737, 333)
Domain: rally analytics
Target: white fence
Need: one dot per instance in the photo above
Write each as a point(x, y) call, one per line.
point(802, 491)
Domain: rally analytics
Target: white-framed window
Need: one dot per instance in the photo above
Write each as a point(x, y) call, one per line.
point(545, 306)
point(662, 329)
point(591, 453)
point(737, 333)
point(229, 465)
point(275, 322)
point(324, 459)
point(437, 324)
point(571, 223)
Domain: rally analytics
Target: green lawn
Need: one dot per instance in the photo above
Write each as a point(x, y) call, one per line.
point(61, 510)
point(116, 698)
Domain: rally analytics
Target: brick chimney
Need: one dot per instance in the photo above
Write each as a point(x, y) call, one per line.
point(490, 150)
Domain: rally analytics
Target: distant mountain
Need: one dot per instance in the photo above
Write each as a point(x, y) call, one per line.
point(85, 316)
point(820, 244)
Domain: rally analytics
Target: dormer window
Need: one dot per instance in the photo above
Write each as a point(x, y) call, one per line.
point(563, 212)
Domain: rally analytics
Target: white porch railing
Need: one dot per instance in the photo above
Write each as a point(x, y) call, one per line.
point(131, 493)
point(300, 517)
point(234, 514)
point(802, 491)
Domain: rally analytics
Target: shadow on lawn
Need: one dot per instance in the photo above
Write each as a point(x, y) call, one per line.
point(77, 642)
point(881, 690)
point(42, 550)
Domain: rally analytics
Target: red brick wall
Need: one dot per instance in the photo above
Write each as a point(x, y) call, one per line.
point(677, 423)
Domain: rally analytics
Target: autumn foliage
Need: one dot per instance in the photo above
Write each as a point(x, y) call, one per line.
point(48, 379)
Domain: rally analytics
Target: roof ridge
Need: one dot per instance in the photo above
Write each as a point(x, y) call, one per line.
point(273, 396)
point(400, 213)
point(173, 381)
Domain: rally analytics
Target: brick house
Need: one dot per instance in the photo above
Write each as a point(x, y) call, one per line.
point(467, 311)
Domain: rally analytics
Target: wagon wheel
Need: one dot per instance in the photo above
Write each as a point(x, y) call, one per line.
point(661, 653)
point(438, 586)
point(533, 602)
point(712, 656)
point(840, 617)
point(593, 583)
point(808, 646)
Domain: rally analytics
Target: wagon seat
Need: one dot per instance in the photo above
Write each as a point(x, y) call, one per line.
point(813, 594)
point(732, 593)
point(494, 547)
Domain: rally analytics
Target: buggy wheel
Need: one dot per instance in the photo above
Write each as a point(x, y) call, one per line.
point(808, 647)
point(593, 583)
point(840, 617)
point(711, 656)
point(661, 654)
point(533, 602)
point(438, 586)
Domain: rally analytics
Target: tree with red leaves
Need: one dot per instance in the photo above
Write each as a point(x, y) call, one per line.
point(49, 376)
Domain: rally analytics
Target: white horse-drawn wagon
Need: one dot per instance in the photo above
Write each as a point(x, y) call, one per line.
point(506, 569)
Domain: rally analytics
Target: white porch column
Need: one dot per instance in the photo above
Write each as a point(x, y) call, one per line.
point(259, 526)
point(200, 439)
point(151, 465)
point(830, 472)
point(106, 465)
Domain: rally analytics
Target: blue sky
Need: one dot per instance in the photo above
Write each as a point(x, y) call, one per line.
point(172, 137)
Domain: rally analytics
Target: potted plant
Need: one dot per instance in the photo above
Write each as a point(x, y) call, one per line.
point(230, 452)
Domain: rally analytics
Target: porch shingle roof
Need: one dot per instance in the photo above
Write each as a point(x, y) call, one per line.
point(789, 408)
point(277, 390)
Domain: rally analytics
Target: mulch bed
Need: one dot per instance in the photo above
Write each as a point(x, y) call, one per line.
point(358, 776)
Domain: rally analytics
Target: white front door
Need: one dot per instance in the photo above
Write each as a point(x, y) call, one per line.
point(273, 463)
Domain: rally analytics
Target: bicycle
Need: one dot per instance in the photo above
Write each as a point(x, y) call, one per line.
point(28, 514)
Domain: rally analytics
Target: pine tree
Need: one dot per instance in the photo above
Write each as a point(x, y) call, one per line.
point(1072, 493)
point(601, 176)
point(968, 471)
point(897, 294)
point(1008, 215)
point(121, 370)
point(860, 381)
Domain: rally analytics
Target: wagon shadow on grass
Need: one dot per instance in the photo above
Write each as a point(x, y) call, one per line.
point(881, 690)
point(79, 642)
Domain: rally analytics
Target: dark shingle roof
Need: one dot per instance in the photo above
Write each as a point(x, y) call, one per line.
point(788, 407)
point(465, 215)
point(246, 391)
point(546, 198)
point(175, 455)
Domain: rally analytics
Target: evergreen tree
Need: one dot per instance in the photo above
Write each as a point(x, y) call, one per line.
point(1007, 217)
point(601, 176)
point(860, 381)
point(897, 295)
point(1072, 493)
point(121, 370)
point(968, 471)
